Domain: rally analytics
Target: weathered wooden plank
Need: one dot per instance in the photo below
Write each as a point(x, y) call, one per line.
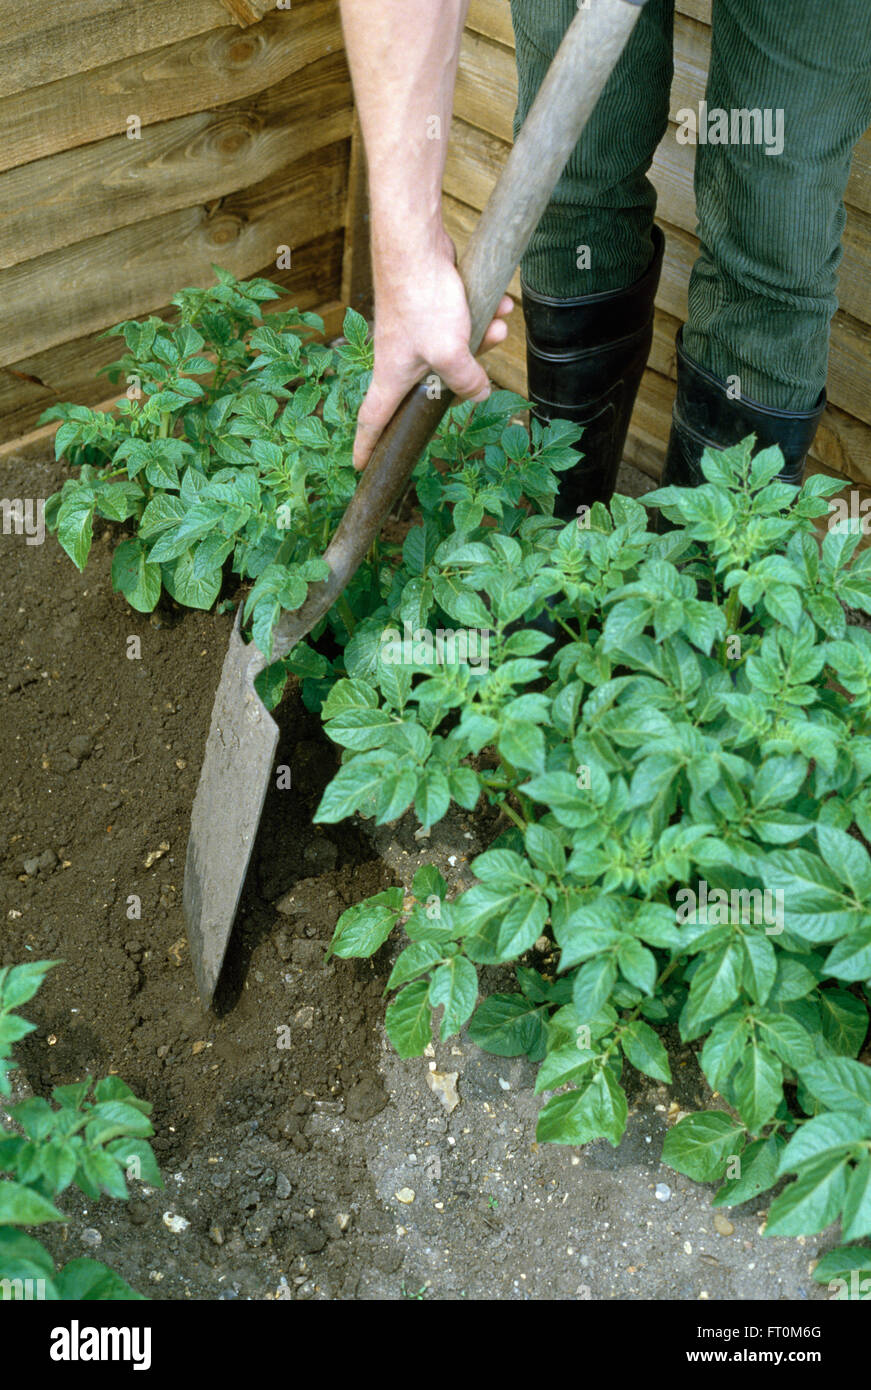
point(41, 43)
point(207, 70)
point(69, 370)
point(357, 281)
point(250, 11)
point(112, 183)
point(66, 294)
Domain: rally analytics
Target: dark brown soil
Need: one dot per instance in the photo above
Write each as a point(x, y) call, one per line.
point(101, 760)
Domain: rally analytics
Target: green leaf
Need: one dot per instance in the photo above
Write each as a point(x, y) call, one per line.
point(545, 849)
point(757, 1172)
point(416, 959)
point(508, 936)
point(113, 1117)
point(593, 985)
point(760, 966)
point(22, 1257)
point(21, 982)
point(812, 1202)
point(700, 1145)
point(715, 985)
point(645, 1051)
point(87, 1280)
point(849, 1266)
point(362, 929)
point(22, 1206)
point(465, 787)
point(135, 577)
point(409, 1020)
point(793, 1044)
point(856, 1216)
point(428, 882)
point(396, 793)
point(598, 1111)
point(637, 964)
point(75, 523)
point(850, 958)
point(847, 858)
point(187, 586)
point(724, 1048)
point(844, 1021)
point(454, 984)
point(353, 784)
point(757, 1086)
point(137, 1159)
point(433, 796)
point(840, 1084)
point(563, 1064)
point(507, 1025)
point(824, 1135)
point(35, 1116)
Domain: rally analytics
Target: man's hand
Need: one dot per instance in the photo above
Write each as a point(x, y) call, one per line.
point(403, 57)
point(422, 325)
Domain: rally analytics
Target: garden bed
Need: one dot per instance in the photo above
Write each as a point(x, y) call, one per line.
point(286, 1160)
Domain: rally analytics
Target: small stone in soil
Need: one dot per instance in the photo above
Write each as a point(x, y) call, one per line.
point(367, 1099)
point(283, 1187)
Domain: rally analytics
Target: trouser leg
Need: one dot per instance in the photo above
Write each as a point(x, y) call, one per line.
point(592, 268)
point(770, 209)
point(604, 200)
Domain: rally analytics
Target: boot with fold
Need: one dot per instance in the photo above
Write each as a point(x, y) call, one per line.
point(585, 358)
point(705, 417)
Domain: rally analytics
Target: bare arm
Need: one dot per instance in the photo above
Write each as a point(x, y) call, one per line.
point(403, 57)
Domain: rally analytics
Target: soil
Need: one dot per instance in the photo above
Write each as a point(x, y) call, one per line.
point(302, 1159)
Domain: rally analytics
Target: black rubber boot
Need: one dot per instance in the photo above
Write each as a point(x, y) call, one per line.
point(585, 359)
point(705, 417)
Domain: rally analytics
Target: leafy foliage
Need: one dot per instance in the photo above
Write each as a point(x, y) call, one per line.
point(94, 1136)
point(231, 452)
point(703, 724)
point(686, 771)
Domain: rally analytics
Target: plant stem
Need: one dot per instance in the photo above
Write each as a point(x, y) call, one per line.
point(347, 616)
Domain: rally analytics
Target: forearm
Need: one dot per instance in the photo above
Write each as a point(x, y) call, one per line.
point(403, 58)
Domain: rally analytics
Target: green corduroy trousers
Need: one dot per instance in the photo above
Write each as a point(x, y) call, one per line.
point(789, 88)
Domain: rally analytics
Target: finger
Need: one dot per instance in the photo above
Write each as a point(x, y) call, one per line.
point(375, 412)
point(496, 333)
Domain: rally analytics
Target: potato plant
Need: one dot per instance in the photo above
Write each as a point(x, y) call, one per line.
point(686, 777)
point(94, 1136)
point(231, 452)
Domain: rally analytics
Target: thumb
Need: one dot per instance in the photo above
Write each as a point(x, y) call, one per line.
point(465, 376)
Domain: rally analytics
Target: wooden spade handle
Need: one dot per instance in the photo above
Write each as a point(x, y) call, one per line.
point(583, 63)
